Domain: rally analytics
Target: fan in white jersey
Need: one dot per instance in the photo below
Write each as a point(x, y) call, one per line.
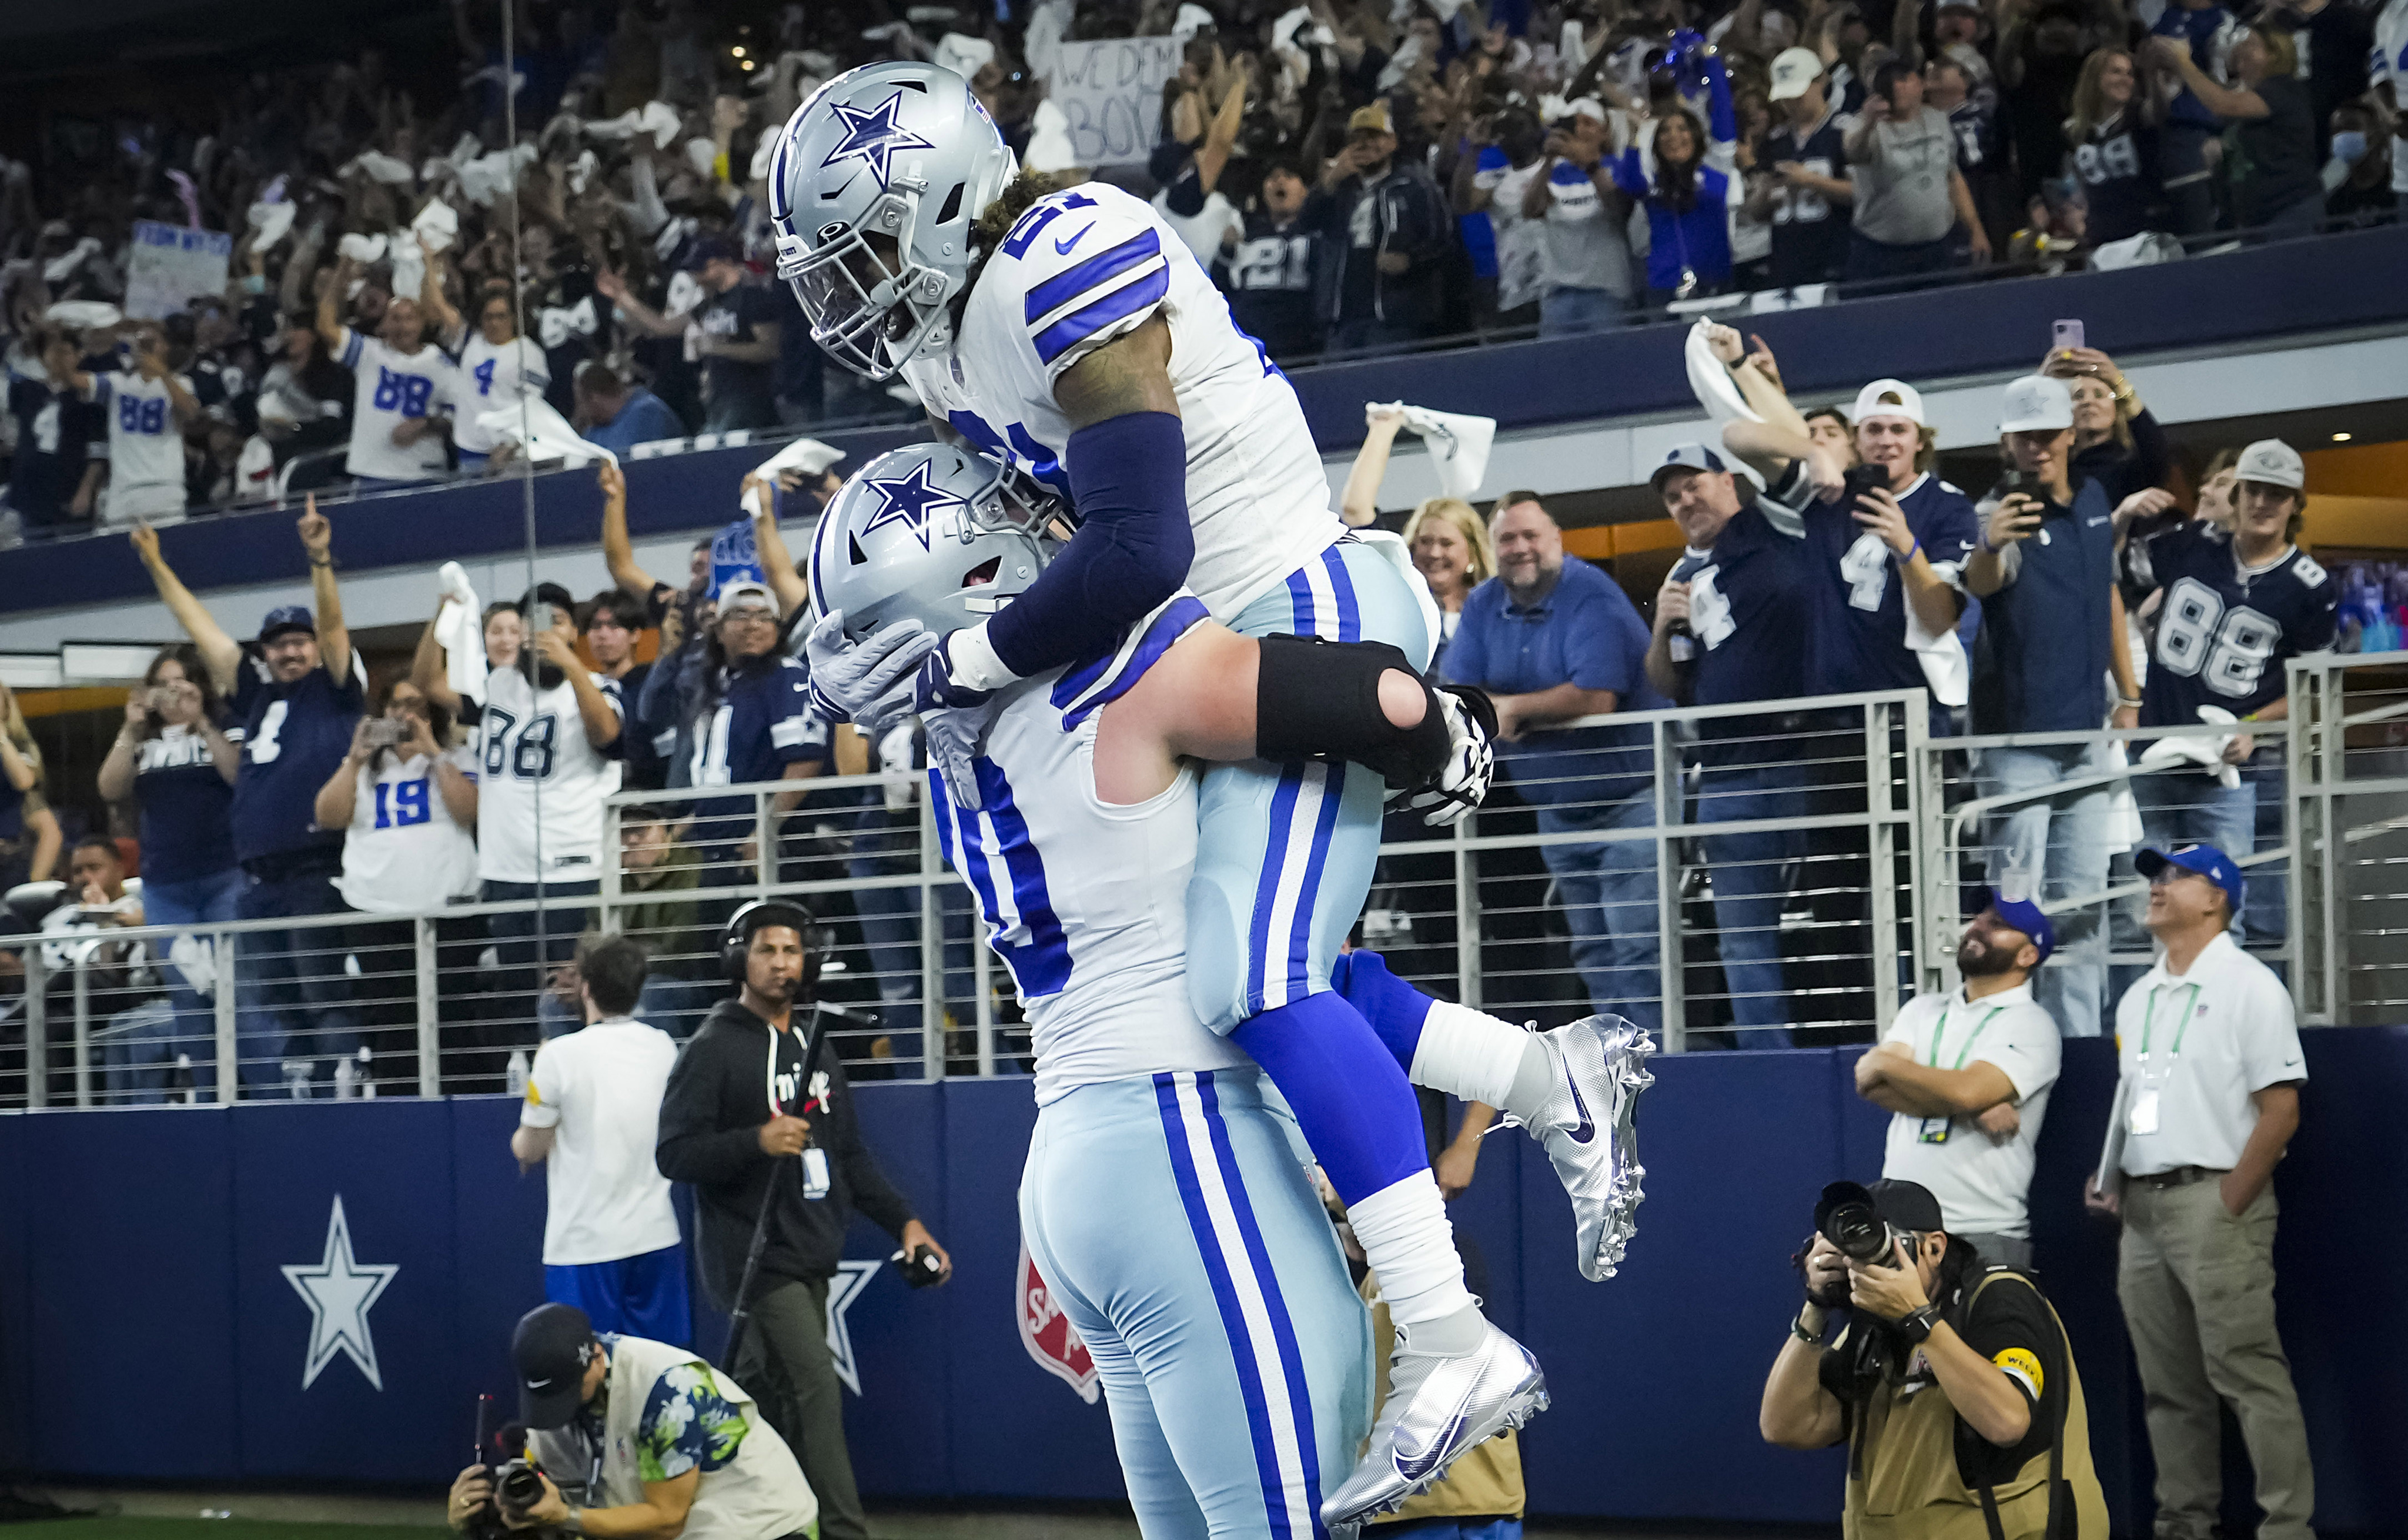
point(147, 405)
point(497, 367)
point(1081, 845)
point(402, 382)
point(2387, 72)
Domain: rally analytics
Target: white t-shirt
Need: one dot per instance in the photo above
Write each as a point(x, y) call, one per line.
point(492, 376)
point(2210, 1038)
point(2389, 66)
point(601, 1089)
point(538, 774)
point(145, 446)
point(403, 854)
point(1983, 1183)
point(394, 388)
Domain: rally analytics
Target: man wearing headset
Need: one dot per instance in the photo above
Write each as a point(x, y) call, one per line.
point(741, 1114)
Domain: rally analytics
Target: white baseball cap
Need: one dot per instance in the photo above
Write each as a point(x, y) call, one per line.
point(1792, 70)
point(1902, 400)
point(2273, 462)
point(747, 594)
point(2036, 404)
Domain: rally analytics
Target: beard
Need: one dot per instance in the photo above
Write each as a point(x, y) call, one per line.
point(1979, 958)
point(550, 676)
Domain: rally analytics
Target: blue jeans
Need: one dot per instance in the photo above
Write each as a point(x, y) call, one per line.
point(1568, 311)
point(2182, 807)
point(2063, 840)
point(1608, 892)
point(1749, 885)
point(141, 1069)
point(293, 996)
point(890, 930)
point(1371, 335)
point(517, 939)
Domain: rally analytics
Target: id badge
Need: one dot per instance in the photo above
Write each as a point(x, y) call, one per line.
point(1934, 1130)
point(2143, 1119)
point(815, 1171)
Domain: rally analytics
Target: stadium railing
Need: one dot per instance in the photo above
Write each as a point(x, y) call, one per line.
point(1844, 883)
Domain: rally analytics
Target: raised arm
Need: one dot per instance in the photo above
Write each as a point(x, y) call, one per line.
point(427, 670)
point(339, 798)
point(1360, 503)
point(595, 712)
point(759, 498)
point(220, 652)
point(334, 637)
point(331, 329)
point(618, 552)
point(446, 321)
point(645, 318)
point(1221, 138)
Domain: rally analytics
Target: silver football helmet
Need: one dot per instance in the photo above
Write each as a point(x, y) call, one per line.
point(874, 196)
point(932, 533)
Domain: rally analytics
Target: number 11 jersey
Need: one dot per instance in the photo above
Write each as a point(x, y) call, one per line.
point(541, 782)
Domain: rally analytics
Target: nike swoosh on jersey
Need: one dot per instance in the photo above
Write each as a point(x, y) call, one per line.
point(1062, 247)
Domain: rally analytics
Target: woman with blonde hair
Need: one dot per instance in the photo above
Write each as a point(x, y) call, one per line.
point(1450, 544)
point(2112, 141)
point(29, 830)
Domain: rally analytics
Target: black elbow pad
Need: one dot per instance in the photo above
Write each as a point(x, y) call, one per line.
point(1320, 700)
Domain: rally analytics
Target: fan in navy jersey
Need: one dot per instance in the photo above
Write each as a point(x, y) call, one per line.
point(2113, 135)
point(1272, 272)
point(2051, 634)
point(608, 624)
point(1810, 190)
point(297, 697)
point(1729, 621)
point(53, 477)
point(177, 757)
point(2237, 604)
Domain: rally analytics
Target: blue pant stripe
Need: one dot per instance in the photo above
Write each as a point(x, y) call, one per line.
point(1224, 1295)
point(1299, 936)
point(1266, 882)
point(1299, 1394)
point(1349, 615)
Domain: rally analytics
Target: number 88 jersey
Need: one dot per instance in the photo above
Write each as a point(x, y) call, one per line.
point(2223, 634)
point(541, 782)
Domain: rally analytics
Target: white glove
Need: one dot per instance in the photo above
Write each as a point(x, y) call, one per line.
point(956, 736)
point(850, 680)
point(1462, 783)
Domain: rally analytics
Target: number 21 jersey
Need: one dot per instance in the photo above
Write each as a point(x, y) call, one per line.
point(541, 782)
point(2224, 634)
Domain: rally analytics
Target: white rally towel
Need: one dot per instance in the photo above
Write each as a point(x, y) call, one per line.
point(658, 119)
point(460, 628)
point(534, 424)
point(808, 455)
point(2124, 832)
point(367, 250)
point(436, 226)
point(965, 55)
point(408, 263)
point(2207, 754)
point(269, 222)
point(1458, 444)
point(1945, 666)
point(1050, 147)
point(1711, 380)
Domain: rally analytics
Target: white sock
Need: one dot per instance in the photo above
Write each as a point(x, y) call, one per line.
point(1409, 1242)
point(1469, 1053)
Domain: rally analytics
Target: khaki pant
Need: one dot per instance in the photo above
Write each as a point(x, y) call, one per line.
point(784, 1362)
point(2198, 1287)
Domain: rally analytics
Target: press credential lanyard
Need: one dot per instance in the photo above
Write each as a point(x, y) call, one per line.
point(1935, 1129)
point(2144, 1118)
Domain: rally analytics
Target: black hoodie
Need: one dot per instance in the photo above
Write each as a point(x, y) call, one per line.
point(718, 1097)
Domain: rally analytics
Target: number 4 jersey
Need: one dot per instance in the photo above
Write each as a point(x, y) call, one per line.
point(1086, 266)
point(541, 782)
point(2224, 631)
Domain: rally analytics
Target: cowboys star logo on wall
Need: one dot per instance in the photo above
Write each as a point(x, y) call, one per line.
point(872, 137)
point(911, 500)
point(339, 1291)
point(846, 1287)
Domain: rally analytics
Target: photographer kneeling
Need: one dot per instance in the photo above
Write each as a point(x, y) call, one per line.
point(1952, 1382)
point(655, 1443)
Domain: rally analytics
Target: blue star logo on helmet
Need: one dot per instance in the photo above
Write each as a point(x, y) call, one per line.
point(873, 136)
point(910, 500)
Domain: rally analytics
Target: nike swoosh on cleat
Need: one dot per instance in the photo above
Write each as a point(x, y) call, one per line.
point(1586, 1130)
point(1062, 247)
point(1414, 1467)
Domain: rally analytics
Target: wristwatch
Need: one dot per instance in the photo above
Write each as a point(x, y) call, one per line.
point(575, 1523)
point(1917, 1324)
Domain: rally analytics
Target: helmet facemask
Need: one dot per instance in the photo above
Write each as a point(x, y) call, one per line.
point(872, 313)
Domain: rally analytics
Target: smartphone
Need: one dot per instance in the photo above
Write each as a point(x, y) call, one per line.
point(2065, 335)
point(383, 732)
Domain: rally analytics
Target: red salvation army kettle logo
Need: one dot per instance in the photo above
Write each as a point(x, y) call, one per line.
point(1050, 1337)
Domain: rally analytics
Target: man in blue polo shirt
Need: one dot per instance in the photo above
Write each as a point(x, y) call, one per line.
point(1551, 638)
point(299, 695)
point(1730, 626)
point(2052, 632)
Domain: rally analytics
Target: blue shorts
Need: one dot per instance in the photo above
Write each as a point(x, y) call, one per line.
point(1171, 1220)
point(1284, 853)
point(639, 1296)
point(472, 462)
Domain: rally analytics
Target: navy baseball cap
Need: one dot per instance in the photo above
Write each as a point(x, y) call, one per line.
point(286, 617)
point(2206, 860)
point(708, 249)
point(1687, 457)
point(2027, 917)
point(551, 1348)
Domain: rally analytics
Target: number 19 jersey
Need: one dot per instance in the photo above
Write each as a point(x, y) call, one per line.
point(1086, 266)
point(2223, 633)
point(541, 782)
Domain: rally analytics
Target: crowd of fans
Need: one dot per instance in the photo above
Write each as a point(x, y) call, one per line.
point(1356, 177)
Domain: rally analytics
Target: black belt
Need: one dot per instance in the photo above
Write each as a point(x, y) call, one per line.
point(285, 864)
point(2181, 1177)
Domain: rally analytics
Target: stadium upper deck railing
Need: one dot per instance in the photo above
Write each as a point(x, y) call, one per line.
point(1793, 890)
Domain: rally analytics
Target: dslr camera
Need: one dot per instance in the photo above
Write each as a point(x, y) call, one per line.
point(1847, 1220)
point(518, 1486)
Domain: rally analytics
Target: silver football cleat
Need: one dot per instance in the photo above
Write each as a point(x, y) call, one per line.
point(1588, 1129)
point(1440, 1407)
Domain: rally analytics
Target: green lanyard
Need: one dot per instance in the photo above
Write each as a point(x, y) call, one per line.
point(1968, 1052)
point(2149, 1024)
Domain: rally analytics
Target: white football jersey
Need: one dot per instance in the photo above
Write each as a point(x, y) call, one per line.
point(394, 388)
point(146, 445)
point(1086, 903)
point(491, 375)
point(2389, 66)
point(1081, 268)
point(403, 854)
point(541, 782)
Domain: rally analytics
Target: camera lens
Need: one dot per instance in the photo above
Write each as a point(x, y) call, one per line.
point(1857, 1231)
point(519, 1487)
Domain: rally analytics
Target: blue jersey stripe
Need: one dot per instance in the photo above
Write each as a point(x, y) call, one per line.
point(1266, 885)
point(1120, 673)
point(1098, 270)
point(1119, 305)
point(1299, 1393)
point(1224, 1295)
point(1043, 963)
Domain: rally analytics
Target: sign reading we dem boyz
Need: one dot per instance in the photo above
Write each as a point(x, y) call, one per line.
point(1111, 93)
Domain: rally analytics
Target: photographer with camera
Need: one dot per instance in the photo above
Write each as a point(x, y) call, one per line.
point(650, 1442)
point(772, 1145)
point(1953, 1384)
